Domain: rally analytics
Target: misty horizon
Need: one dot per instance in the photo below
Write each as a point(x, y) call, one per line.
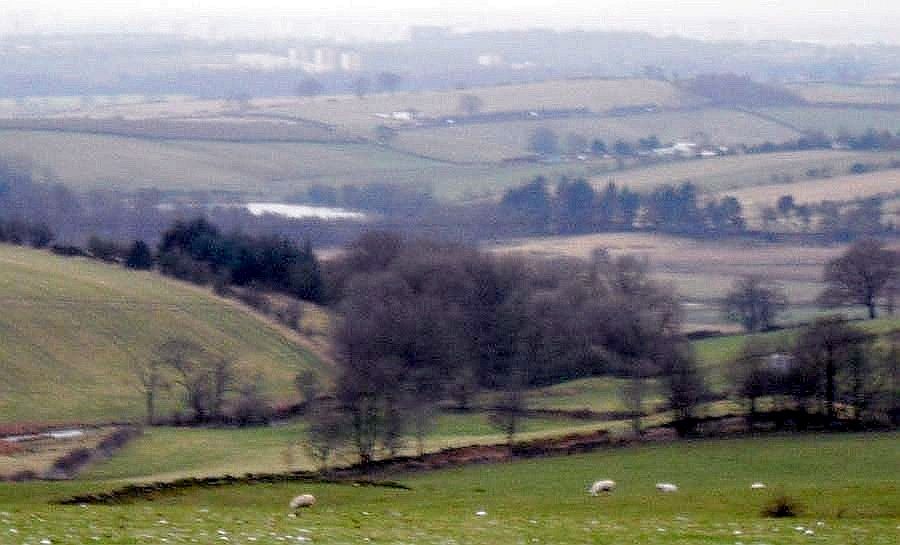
point(818, 22)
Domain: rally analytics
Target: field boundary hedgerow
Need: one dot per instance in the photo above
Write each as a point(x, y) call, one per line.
point(380, 472)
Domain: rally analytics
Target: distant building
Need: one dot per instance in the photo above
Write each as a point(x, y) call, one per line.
point(678, 149)
point(350, 61)
point(490, 60)
point(780, 363)
point(318, 60)
point(262, 61)
point(324, 59)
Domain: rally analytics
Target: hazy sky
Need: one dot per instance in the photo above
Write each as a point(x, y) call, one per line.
point(801, 19)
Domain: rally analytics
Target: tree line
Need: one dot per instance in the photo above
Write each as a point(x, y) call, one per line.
point(831, 373)
point(574, 207)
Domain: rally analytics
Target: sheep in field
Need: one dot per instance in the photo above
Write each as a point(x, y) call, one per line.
point(303, 500)
point(757, 486)
point(666, 487)
point(602, 486)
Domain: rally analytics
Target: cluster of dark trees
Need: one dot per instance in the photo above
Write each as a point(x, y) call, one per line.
point(198, 251)
point(208, 383)
point(831, 373)
point(20, 232)
point(576, 207)
point(382, 198)
point(422, 322)
point(841, 221)
point(736, 90)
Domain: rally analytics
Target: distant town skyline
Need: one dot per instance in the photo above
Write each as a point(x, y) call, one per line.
point(808, 20)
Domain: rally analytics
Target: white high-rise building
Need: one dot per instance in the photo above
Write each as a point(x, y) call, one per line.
point(350, 61)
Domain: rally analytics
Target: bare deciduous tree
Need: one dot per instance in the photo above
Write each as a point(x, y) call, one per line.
point(470, 104)
point(151, 380)
point(327, 431)
point(863, 275)
point(826, 348)
point(204, 378)
point(754, 303)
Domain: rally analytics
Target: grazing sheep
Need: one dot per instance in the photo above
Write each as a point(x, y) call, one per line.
point(666, 487)
point(303, 500)
point(757, 486)
point(602, 486)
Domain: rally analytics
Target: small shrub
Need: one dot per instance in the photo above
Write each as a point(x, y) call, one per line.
point(222, 287)
point(22, 476)
point(66, 466)
point(255, 299)
point(117, 440)
point(782, 506)
point(291, 315)
point(861, 168)
point(68, 251)
point(252, 407)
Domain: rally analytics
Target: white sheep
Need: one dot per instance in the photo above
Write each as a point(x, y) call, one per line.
point(303, 500)
point(757, 486)
point(666, 487)
point(602, 486)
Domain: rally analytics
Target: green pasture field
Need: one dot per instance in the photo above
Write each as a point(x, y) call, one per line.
point(73, 331)
point(87, 161)
point(848, 487)
point(731, 173)
point(505, 140)
point(165, 453)
point(268, 171)
point(834, 121)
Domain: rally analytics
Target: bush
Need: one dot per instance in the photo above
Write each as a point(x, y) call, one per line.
point(67, 465)
point(139, 256)
point(222, 287)
point(290, 315)
point(22, 476)
point(67, 251)
point(117, 440)
point(255, 299)
point(104, 250)
point(861, 168)
point(782, 506)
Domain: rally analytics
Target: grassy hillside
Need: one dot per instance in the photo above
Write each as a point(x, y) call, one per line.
point(847, 93)
point(847, 485)
point(90, 161)
point(72, 331)
point(504, 140)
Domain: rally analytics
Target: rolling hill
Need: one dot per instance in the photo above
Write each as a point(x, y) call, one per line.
point(73, 330)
